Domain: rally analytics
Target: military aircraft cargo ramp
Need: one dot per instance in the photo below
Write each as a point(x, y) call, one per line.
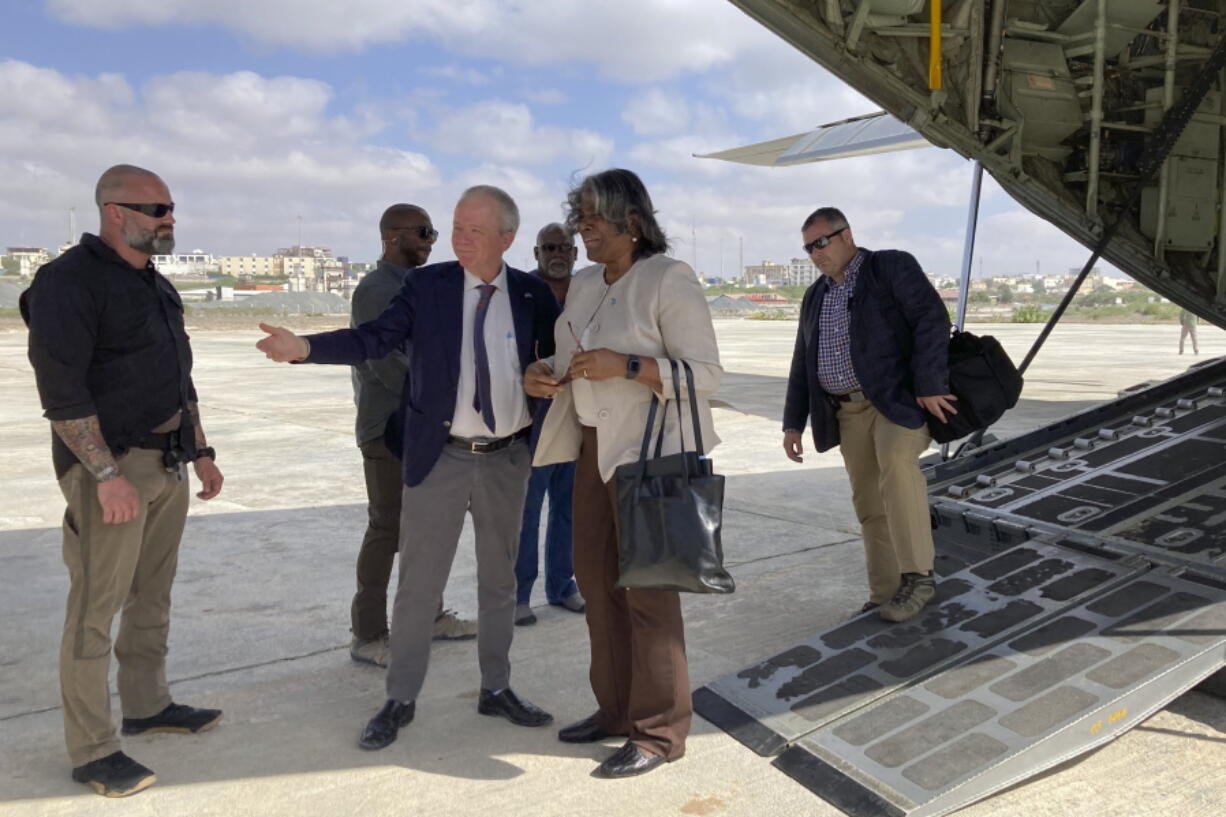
point(1083, 587)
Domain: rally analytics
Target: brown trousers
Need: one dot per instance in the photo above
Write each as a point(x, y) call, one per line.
point(639, 672)
point(889, 493)
point(126, 568)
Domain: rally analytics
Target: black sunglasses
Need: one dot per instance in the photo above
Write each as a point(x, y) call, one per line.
point(556, 247)
point(821, 242)
point(423, 232)
point(151, 210)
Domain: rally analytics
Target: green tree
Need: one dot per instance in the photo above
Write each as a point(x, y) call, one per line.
point(1005, 294)
point(1030, 313)
point(11, 265)
point(1099, 296)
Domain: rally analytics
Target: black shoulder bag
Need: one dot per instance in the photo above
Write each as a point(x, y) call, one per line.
point(981, 375)
point(670, 512)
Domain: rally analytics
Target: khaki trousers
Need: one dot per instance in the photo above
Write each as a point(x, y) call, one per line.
point(889, 493)
point(639, 672)
point(114, 569)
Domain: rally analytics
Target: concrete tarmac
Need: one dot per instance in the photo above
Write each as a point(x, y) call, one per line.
point(261, 616)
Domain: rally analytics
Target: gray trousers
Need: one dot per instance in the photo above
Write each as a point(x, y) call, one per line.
point(491, 487)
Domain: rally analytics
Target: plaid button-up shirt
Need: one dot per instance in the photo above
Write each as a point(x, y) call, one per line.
point(834, 369)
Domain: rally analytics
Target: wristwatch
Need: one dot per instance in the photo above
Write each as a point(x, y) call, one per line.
point(206, 451)
point(632, 366)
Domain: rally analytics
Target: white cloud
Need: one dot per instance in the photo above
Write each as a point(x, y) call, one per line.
point(628, 40)
point(244, 156)
point(785, 91)
point(656, 112)
point(505, 132)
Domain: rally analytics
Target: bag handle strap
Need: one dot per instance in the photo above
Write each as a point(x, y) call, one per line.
point(689, 382)
point(651, 422)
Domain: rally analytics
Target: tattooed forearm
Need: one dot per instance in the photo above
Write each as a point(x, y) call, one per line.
point(83, 437)
point(197, 429)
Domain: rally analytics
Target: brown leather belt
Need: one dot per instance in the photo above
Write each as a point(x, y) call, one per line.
point(488, 446)
point(851, 397)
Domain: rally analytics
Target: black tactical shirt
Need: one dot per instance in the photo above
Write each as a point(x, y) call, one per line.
point(107, 338)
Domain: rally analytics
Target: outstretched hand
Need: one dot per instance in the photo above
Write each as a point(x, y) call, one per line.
point(282, 345)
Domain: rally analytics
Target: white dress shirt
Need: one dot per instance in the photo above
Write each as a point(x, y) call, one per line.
point(506, 380)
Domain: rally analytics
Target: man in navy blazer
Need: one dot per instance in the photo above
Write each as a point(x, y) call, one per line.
point(472, 326)
point(870, 363)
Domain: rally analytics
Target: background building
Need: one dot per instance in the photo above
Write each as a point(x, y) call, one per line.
point(28, 259)
point(194, 264)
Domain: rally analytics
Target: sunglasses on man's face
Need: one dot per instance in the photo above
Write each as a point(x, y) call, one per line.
point(821, 242)
point(556, 247)
point(151, 210)
point(423, 232)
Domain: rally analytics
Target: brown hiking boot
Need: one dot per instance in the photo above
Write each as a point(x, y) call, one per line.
point(915, 593)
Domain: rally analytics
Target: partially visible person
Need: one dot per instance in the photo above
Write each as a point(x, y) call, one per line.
point(625, 317)
point(113, 366)
point(408, 236)
point(471, 327)
point(1187, 329)
point(555, 260)
point(869, 366)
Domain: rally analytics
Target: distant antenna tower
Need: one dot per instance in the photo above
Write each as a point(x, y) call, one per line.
point(694, 242)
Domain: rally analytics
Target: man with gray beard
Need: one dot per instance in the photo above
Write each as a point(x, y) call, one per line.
point(555, 260)
point(113, 367)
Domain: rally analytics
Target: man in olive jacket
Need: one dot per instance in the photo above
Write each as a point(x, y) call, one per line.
point(870, 364)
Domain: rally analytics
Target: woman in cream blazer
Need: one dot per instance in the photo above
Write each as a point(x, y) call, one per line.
point(625, 317)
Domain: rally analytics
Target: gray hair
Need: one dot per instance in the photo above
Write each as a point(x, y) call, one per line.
point(510, 212)
point(831, 215)
point(615, 195)
point(553, 225)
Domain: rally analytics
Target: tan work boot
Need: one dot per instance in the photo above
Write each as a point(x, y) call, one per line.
point(450, 627)
point(375, 651)
point(915, 593)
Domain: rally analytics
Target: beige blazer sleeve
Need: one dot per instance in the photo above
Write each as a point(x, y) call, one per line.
point(656, 310)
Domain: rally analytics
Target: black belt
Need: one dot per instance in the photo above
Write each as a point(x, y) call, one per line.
point(170, 443)
point(856, 396)
point(166, 441)
point(488, 446)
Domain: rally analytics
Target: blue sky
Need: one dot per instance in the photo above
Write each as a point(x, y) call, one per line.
point(261, 113)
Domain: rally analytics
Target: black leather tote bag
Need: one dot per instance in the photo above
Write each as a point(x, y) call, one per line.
point(670, 511)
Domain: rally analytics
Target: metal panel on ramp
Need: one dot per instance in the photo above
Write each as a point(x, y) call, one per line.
point(772, 704)
point(1022, 706)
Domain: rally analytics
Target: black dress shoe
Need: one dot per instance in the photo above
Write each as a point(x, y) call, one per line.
point(628, 761)
point(588, 730)
point(382, 729)
point(506, 705)
point(174, 718)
